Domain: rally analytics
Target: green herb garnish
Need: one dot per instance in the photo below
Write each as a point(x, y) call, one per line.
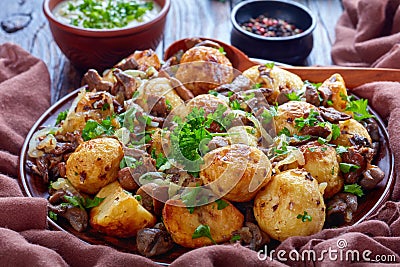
point(98, 14)
point(235, 238)
point(310, 121)
point(83, 203)
point(360, 109)
point(270, 65)
point(53, 215)
point(348, 167)
point(61, 116)
point(203, 231)
point(160, 159)
point(293, 96)
point(222, 204)
point(94, 129)
point(304, 217)
point(353, 189)
point(131, 162)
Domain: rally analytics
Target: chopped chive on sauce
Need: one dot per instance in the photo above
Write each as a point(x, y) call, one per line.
point(101, 14)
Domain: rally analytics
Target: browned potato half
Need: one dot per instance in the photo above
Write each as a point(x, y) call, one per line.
point(273, 78)
point(288, 112)
point(207, 102)
point(154, 89)
point(145, 59)
point(181, 224)
point(335, 84)
point(208, 69)
point(119, 214)
point(348, 129)
point(322, 163)
point(289, 194)
point(236, 172)
point(94, 164)
point(89, 106)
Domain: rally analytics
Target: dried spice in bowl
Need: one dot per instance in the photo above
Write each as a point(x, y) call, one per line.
point(270, 27)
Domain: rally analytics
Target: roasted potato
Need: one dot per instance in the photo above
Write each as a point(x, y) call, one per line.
point(160, 142)
point(95, 106)
point(322, 163)
point(281, 207)
point(94, 164)
point(158, 88)
point(273, 78)
point(288, 112)
point(207, 102)
point(247, 135)
point(204, 68)
point(335, 84)
point(181, 224)
point(119, 214)
point(348, 129)
point(145, 59)
point(236, 172)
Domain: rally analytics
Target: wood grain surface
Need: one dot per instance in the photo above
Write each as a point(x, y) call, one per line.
point(187, 18)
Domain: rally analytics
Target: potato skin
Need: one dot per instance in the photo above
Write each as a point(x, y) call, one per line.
point(87, 108)
point(119, 214)
point(277, 80)
point(322, 163)
point(336, 85)
point(349, 128)
point(236, 172)
point(207, 102)
point(94, 164)
point(247, 135)
point(289, 194)
point(181, 224)
point(288, 112)
point(160, 87)
point(212, 68)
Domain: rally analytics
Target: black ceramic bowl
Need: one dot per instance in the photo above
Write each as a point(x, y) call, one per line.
point(291, 49)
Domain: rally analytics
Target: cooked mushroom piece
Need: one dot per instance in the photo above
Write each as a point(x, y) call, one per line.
point(340, 209)
point(77, 217)
point(94, 81)
point(371, 177)
point(332, 115)
point(153, 241)
point(312, 96)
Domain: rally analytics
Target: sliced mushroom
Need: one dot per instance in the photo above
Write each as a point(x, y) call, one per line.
point(94, 81)
point(153, 241)
point(371, 177)
point(340, 209)
point(332, 115)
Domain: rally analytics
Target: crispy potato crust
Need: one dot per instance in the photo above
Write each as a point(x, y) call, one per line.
point(181, 224)
point(119, 214)
point(94, 164)
point(236, 172)
point(289, 194)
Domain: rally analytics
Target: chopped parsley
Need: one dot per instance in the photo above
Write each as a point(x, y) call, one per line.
point(257, 86)
point(222, 204)
point(249, 96)
point(235, 105)
point(270, 65)
point(160, 159)
point(94, 129)
point(360, 109)
point(221, 50)
point(83, 203)
point(335, 131)
point(212, 92)
point(348, 167)
point(203, 231)
point(304, 217)
point(311, 120)
point(354, 189)
point(235, 238)
point(53, 215)
point(284, 131)
point(293, 96)
point(321, 141)
point(138, 197)
point(98, 14)
point(131, 162)
point(61, 116)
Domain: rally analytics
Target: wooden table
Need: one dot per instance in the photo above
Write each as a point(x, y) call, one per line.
point(187, 18)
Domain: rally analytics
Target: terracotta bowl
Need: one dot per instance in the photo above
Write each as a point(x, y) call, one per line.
point(100, 49)
point(290, 49)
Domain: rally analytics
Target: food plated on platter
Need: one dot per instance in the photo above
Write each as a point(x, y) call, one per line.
point(157, 158)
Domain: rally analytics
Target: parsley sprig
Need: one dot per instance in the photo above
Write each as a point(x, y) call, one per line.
point(203, 231)
point(360, 109)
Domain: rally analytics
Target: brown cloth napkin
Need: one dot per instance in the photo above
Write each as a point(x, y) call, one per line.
point(368, 34)
point(26, 241)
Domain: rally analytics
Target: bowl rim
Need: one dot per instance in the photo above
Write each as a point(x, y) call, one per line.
point(274, 39)
point(101, 33)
